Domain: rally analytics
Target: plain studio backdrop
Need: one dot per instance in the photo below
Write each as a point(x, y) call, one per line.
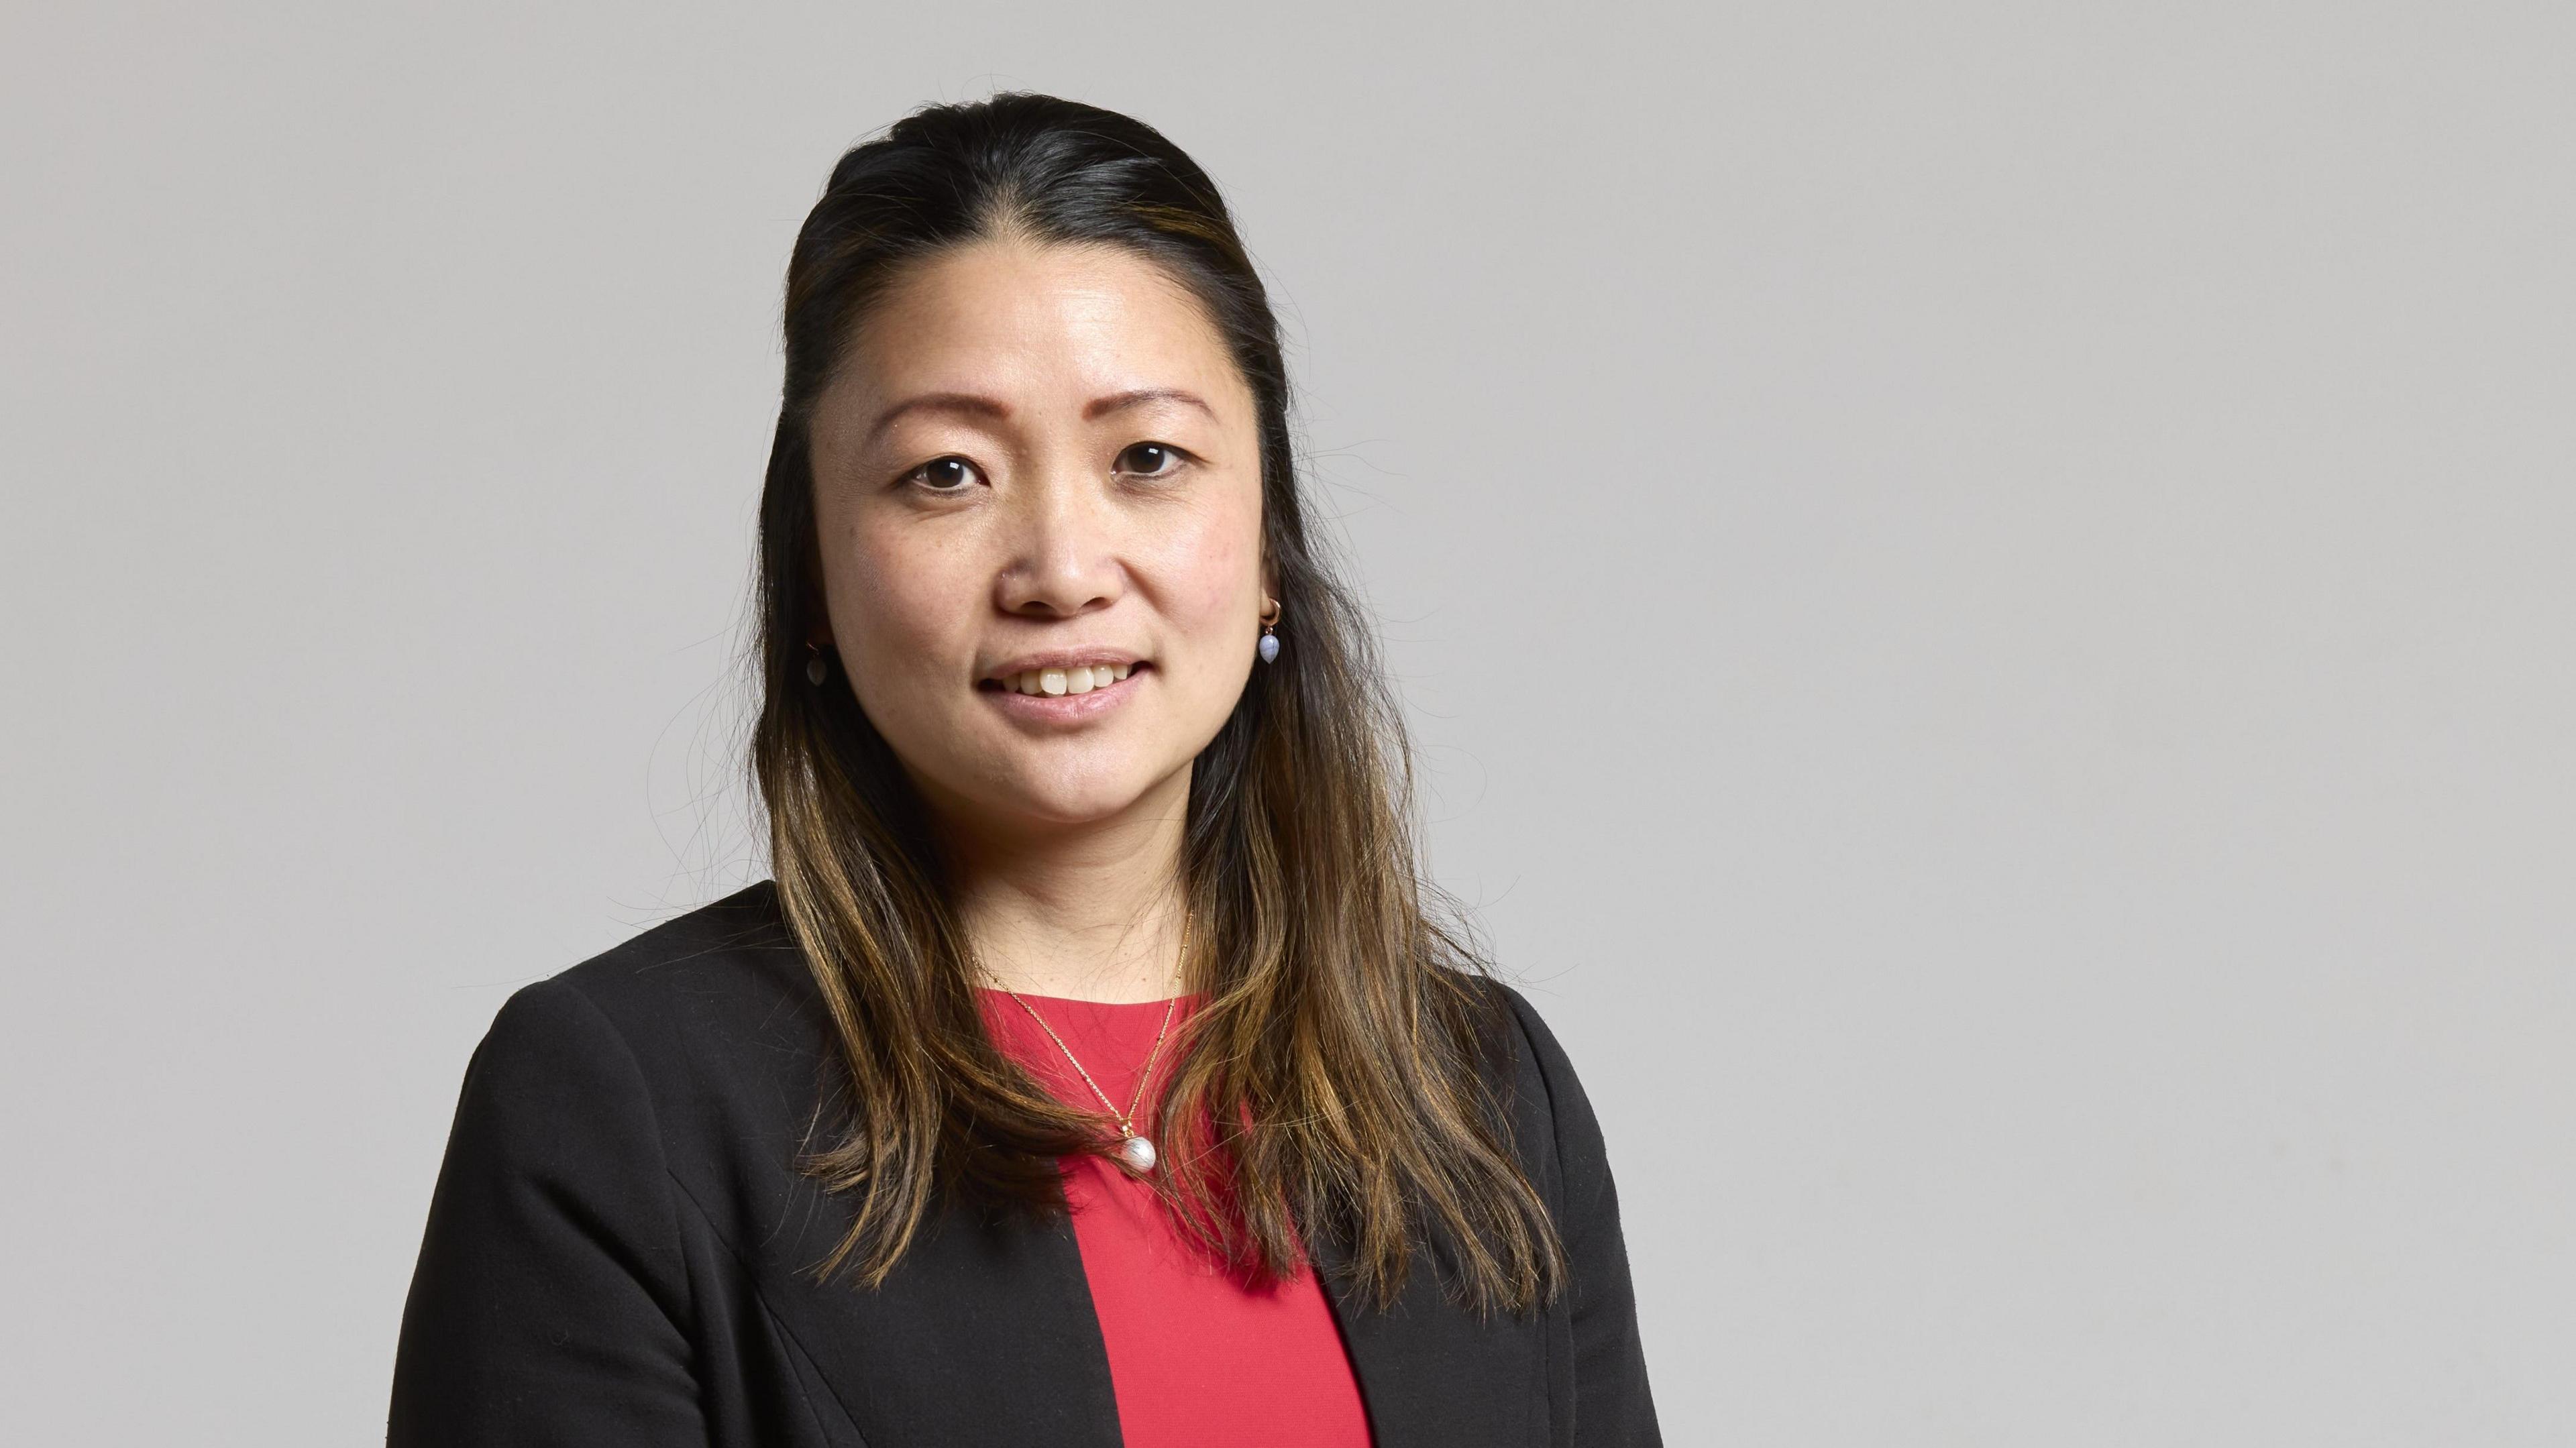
point(1985, 592)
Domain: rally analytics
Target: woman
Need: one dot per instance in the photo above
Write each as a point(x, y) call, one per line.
point(1092, 1070)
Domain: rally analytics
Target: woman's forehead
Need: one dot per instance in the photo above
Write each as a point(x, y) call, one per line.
point(1000, 304)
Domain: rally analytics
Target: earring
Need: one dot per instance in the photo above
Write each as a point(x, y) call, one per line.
point(815, 670)
point(1269, 645)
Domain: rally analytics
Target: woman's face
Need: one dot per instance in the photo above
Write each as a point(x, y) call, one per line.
point(1037, 485)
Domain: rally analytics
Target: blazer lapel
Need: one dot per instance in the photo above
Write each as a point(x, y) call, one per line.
point(1430, 1372)
point(983, 1334)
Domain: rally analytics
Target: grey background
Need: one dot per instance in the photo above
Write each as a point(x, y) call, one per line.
point(1984, 590)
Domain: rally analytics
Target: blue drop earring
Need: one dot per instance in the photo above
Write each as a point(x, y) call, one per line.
point(1269, 645)
point(815, 669)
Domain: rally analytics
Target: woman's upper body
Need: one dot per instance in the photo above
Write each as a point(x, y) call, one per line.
point(620, 1250)
point(1058, 697)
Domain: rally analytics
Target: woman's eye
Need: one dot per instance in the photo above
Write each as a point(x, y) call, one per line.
point(944, 475)
point(1150, 460)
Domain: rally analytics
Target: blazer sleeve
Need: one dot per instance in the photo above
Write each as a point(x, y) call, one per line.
point(550, 1297)
point(1613, 1406)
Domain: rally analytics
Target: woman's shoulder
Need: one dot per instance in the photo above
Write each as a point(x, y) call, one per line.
point(709, 1020)
point(723, 967)
point(1520, 1045)
point(1553, 1125)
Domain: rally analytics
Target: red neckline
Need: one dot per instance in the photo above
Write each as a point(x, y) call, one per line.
point(1153, 1005)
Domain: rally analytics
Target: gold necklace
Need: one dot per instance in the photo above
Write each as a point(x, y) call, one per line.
point(1135, 1152)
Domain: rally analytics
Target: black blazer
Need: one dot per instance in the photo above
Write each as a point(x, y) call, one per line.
point(616, 1247)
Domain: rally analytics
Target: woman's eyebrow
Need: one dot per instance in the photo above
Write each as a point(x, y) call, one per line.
point(974, 406)
point(1101, 407)
point(965, 402)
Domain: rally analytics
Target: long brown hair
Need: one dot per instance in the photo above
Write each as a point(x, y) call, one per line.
point(1332, 1083)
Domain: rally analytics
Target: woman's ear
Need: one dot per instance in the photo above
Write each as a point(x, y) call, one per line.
point(818, 619)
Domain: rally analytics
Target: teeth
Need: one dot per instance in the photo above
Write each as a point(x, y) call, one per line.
point(1067, 681)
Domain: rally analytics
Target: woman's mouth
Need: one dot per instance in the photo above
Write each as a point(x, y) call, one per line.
point(1041, 683)
point(1065, 691)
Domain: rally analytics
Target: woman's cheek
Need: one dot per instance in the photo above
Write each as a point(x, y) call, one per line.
point(904, 601)
point(1212, 564)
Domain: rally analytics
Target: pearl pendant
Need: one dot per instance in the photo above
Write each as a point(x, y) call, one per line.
point(1137, 1153)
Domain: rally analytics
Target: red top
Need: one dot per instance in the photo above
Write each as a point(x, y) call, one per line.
point(1198, 1357)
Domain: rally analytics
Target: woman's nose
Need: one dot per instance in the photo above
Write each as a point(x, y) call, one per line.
point(1062, 559)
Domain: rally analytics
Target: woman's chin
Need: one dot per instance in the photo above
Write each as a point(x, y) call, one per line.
point(1052, 801)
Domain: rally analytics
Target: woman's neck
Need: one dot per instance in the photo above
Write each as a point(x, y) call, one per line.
point(1082, 912)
